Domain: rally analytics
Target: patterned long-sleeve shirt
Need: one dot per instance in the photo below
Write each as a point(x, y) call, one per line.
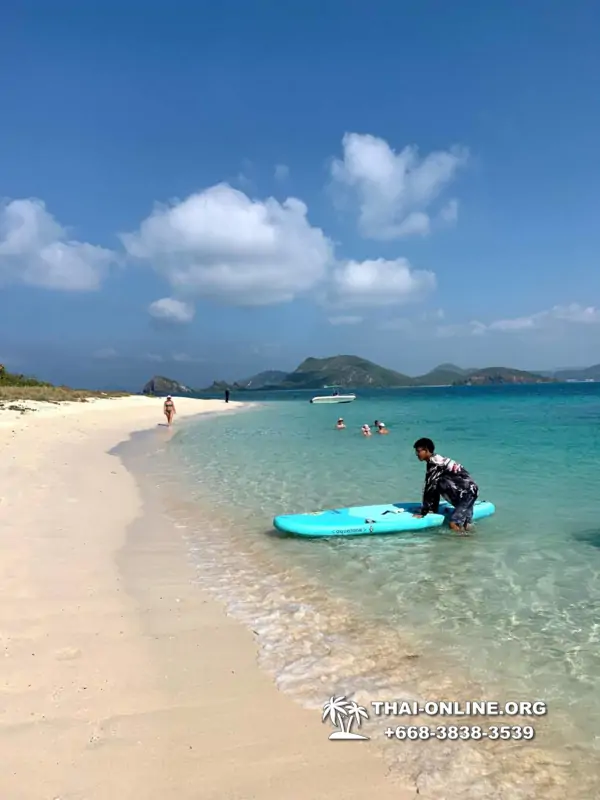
point(449, 479)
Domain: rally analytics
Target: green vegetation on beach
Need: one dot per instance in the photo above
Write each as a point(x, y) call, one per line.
point(14, 387)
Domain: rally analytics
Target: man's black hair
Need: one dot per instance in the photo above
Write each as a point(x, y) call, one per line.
point(424, 444)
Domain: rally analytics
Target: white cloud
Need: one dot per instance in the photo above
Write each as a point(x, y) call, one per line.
point(268, 349)
point(243, 180)
point(168, 309)
point(449, 212)
point(345, 320)
point(184, 358)
point(585, 315)
point(414, 324)
point(222, 245)
point(35, 250)
point(397, 324)
point(571, 314)
point(282, 172)
point(378, 282)
point(109, 353)
point(515, 324)
point(553, 318)
point(393, 190)
point(106, 352)
point(416, 224)
point(473, 328)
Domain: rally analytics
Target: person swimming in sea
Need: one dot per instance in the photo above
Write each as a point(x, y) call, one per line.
point(340, 424)
point(169, 409)
point(449, 479)
point(381, 428)
point(366, 430)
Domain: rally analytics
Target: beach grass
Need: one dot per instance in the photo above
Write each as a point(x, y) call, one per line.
point(52, 394)
point(15, 387)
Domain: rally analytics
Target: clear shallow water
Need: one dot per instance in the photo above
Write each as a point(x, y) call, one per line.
point(510, 613)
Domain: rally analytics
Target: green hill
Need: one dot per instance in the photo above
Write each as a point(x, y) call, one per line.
point(270, 377)
point(452, 368)
point(443, 375)
point(159, 385)
point(353, 372)
point(348, 372)
point(582, 374)
point(500, 375)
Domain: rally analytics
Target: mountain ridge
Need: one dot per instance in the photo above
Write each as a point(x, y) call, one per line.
point(579, 374)
point(355, 372)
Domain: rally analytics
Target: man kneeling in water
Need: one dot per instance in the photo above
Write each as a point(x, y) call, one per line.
point(449, 479)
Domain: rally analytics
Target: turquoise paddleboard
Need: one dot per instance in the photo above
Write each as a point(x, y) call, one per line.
point(364, 520)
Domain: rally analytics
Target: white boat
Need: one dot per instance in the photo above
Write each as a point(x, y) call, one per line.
point(334, 398)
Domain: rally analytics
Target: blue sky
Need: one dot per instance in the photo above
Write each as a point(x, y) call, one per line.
point(205, 190)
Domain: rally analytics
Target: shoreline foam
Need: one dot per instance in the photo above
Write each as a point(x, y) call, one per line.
point(121, 677)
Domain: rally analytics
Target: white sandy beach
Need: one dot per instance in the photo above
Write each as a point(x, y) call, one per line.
point(120, 679)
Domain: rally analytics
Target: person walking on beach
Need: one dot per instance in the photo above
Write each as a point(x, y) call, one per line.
point(169, 409)
point(449, 479)
point(226, 395)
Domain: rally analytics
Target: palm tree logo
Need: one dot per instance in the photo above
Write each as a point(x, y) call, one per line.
point(343, 713)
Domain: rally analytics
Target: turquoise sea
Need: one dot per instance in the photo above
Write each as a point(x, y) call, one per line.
point(510, 613)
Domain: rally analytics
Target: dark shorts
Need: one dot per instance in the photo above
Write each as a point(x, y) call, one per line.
point(463, 511)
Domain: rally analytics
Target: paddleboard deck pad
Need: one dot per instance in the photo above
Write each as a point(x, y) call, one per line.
point(365, 520)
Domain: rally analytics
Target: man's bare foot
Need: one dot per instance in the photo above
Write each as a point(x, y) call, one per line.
point(462, 531)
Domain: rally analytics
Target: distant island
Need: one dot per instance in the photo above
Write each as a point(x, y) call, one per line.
point(353, 372)
point(500, 375)
point(159, 385)
point(586, 374)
